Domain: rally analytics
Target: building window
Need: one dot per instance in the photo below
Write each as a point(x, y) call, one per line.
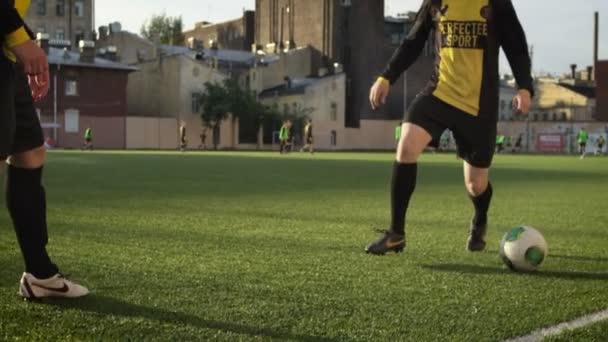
point(564, 116)
point(60, 34)
point(60, 8)
point(554, 117)
point(71, 121)
point(71, 88)
point(333, 114)
point(79, 36)
point(196, 103)
point(79, 8)
point(294, 106)
point(286, 108)
point(41, 29)
point(545, 117)
point(535, 117)
point(41, 7)
point(334, 138)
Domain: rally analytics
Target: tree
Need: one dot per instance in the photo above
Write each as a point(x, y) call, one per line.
point(214, 105)
point(220, 99)
point(163, 29)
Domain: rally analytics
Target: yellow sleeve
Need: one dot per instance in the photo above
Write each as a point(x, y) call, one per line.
point(17, 37)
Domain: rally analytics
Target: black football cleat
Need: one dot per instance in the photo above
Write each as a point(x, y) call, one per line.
point(389, 242)
point(476, 242)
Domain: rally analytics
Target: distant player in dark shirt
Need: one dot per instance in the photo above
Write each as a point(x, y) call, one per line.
point(308, 138)
point(183, 143)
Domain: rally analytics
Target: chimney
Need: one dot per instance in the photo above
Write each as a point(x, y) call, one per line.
point(596, 38)
point(103, 32)
point(112, 53)
point(590, 73)
point(87, 51)
point(573, 68)
point(42, 39)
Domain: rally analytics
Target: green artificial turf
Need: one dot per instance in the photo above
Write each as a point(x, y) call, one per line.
point(257, 246)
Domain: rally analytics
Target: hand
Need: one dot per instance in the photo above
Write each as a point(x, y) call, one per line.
point(522, 101)
point(32, 57)
point(39, 85)
point(378, 93)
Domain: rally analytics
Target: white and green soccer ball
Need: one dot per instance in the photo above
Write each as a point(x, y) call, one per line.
point(523, 249)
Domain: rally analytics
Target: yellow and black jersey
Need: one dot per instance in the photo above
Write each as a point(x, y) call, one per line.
point(13, 31)
point(467, 35)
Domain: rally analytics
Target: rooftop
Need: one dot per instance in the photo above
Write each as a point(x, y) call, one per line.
point(65, 57)
point(298, 86)
point(586, 91)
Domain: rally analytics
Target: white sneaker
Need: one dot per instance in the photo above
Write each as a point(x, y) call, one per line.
point(31, 287)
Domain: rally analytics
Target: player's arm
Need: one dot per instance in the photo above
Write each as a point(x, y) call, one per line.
point(411, 46)
point(405, 55)
point(10, 20)
point(513, 40)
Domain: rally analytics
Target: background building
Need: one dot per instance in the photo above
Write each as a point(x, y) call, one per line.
point(350, 35)
point(237, 34)
point(75, 101)
point(70, 20)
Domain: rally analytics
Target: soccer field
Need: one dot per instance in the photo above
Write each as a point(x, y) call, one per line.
point(257, 246)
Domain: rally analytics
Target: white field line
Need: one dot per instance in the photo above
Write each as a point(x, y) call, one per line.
point(580, 322)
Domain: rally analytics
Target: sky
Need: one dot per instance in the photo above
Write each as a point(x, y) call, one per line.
point(561, 31)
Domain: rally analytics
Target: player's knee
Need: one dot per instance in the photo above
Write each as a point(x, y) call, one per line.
point(407, 154)
point(476, 187)
point(31, 159)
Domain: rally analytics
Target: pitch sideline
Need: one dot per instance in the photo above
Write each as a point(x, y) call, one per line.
point(581, 322)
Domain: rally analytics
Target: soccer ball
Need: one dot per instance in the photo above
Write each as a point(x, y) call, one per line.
point(523, 249)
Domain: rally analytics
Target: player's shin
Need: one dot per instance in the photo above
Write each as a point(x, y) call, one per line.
point(26, 202)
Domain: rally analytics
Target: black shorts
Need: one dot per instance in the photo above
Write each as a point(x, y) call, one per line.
point(309, 140)
point(475, 137)
point(583, 145)
point(20, 129)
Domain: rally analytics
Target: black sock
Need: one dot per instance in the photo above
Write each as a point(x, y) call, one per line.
point(402, 187)
point(26, 202)
point(482, 204)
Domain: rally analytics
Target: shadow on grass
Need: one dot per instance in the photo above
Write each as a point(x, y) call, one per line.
point(579, 257)
point(477, 269)
point(110, 306)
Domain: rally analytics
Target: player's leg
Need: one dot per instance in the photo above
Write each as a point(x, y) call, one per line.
point(26, 201)
point(414, 139)
point(479, 189)
point(476, 140)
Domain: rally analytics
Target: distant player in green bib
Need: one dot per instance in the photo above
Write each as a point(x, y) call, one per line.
point(582, 138)
point(88, 139)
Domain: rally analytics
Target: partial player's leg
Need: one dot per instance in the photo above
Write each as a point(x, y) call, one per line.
point(476, 140)
point(26, 202)
point(414, 139)
point(479, 190)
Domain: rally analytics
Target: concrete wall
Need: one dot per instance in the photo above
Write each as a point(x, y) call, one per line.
point(295, 64)
point(163, 88)
point(108, 132)
point(131, 48)
point(163, 133)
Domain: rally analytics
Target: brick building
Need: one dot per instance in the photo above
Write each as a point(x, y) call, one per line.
point(601, 79)
point(86, 91)
point(351, 33)
point(69, 20)
point(237, 34)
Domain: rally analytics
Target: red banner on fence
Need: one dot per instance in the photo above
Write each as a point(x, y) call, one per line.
point(550, 142)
